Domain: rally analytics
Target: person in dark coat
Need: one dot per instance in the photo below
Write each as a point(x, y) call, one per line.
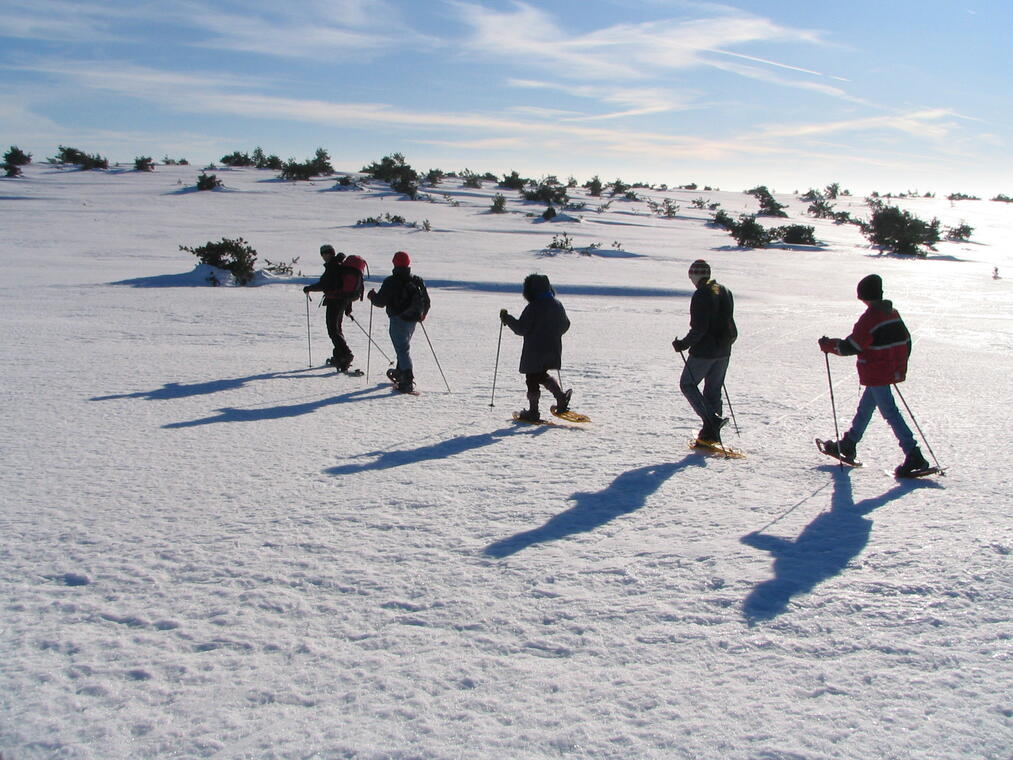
point(395, 297)
point(882, 343)
point(711, 333)
point(542, 325)
point(337, 302)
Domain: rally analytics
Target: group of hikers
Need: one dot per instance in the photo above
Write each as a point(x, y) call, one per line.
point(879, 339)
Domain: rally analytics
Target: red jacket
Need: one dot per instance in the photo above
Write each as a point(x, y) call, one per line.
point(883, 344)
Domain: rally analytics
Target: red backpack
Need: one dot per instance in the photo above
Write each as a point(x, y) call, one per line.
point(351, 271)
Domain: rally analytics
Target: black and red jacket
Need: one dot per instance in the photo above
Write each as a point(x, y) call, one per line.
point(882, 343)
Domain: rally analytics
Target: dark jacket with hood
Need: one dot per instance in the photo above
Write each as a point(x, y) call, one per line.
point(712, 327)
point(331, 281)
point(541, 324)
point(392, 292)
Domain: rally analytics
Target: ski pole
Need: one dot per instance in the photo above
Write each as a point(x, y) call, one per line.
point(731, 411)
point(424, 332)
point(369, 343)
point(833, 407)
point(495, 371)
point(372, 342)
point(309, 342)
point(919, 427)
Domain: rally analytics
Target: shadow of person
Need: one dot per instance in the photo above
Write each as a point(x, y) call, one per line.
point(234, 414)
point(171, 391)
point(627, 493)
point(441, 450)
point(822, 550)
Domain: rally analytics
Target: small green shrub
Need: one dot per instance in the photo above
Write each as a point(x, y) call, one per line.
point(547, 192)
point(238, 159)
point(74, 156)
point(768, 205)
point(208, 182)
point(498, 204)
point(724, 220)
point(144, 164)
point(513, 181)
point(1003, 198)
point(11, 170)
point(668, 208)
point(961, 197)
point(262, 161)
point(395, 171)
point(235, 256)
point(618, 188)
point(594, 187)
point(749, 233)
point(897, 231)
point(17, 157)
point(794, 234)
point(561, 243)
point(960, 234)
point(471, 179)
point(549, 213)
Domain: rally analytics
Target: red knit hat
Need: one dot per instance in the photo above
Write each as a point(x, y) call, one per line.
point(401, 259)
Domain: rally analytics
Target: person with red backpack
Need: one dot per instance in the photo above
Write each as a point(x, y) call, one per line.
point(341, 284)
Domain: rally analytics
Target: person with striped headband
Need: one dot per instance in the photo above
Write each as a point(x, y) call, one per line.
point(711, 333)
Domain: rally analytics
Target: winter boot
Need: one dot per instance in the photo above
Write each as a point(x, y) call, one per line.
point(529, 415)
point(914, 462)
point(845, 449)
point(563, 401)
point(406, 382)
point(393, 375)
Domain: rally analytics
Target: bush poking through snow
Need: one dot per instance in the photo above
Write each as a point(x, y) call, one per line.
point(17, 157)
point(960, 234)
point(897, 231)
point(74, 156)
point(144, 164)
point(498, 204)
point(208, 182)
point(235, 256)
point(396, 172)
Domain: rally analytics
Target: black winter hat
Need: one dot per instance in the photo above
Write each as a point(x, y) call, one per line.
point(870, 288)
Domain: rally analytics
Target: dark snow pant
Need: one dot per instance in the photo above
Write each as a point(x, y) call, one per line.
point(536, 379)
point(341, 355)
point(707, 405)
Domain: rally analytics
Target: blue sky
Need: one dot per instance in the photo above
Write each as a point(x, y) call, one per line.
point(890, 96)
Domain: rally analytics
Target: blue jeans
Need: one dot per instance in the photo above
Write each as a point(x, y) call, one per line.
point(707, 405)
point(881, 397)
point(401, 337)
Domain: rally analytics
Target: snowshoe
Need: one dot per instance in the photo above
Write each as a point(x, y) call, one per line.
point(839, 451)
point(915, 466)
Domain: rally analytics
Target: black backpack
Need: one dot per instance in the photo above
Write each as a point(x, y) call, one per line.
point(416, 300)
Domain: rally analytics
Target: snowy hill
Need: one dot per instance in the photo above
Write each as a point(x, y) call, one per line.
point(212, 549)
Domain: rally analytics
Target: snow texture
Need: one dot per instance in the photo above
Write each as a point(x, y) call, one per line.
point(211, 549)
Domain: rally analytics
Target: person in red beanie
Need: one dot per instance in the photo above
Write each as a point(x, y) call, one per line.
point(882, 343)
point(406, 300)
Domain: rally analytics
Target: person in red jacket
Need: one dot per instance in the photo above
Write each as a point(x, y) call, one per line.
point(882, 343)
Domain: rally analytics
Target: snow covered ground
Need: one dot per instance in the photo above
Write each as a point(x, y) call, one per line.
point(212, 550)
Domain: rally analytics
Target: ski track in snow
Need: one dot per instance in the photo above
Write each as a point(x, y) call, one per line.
point(212, 550)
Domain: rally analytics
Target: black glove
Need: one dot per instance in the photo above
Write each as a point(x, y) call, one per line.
point(503, 314)
point(679, 345)
point(348, 310)
point(306, 289)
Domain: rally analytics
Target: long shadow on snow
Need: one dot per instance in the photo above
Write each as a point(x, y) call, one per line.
point(232, 414)
point(385, 460)
point(171, 391)
point(822, 550)
point(627, 493)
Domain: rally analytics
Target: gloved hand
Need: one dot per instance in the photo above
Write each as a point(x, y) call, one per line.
point(306, 289)
point(371, 295)
point(503, 314)
point(828, 345)
point(679, 345)
point(348, 310)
